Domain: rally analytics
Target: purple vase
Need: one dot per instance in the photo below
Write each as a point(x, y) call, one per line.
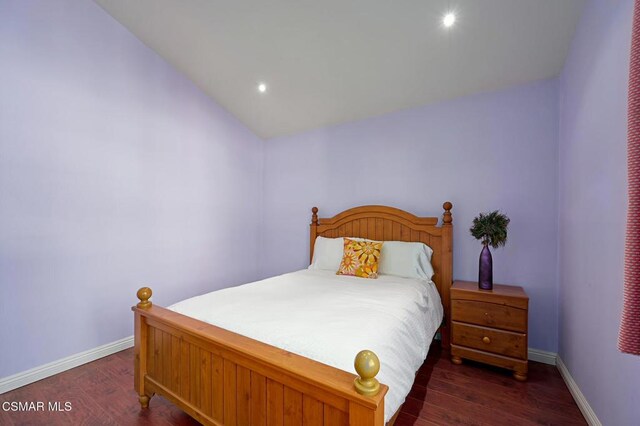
point(485, 271)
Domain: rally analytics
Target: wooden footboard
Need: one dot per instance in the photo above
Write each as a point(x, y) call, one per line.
point(222, 378)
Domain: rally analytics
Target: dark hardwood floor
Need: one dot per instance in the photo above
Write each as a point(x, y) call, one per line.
point(101, 393)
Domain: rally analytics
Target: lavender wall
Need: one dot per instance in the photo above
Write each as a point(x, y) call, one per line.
point(592, 211)
point(115, 171)
point(484, 152)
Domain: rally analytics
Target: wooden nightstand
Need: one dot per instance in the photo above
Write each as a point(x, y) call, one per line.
point(490, 326)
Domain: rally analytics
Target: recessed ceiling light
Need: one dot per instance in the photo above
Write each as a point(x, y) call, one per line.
point(449, 19)
point(262, 87)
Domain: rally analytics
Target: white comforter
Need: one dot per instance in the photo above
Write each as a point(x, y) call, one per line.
point(330, 318)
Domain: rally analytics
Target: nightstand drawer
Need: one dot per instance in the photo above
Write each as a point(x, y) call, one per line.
point(490, 340)
point(489, 314)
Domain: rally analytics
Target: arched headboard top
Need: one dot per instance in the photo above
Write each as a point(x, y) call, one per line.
point(383, 223)
point(391, 213)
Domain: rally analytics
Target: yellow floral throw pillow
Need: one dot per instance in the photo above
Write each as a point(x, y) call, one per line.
point(360, 258)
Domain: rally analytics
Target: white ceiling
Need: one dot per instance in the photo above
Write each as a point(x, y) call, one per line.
point(333, 61)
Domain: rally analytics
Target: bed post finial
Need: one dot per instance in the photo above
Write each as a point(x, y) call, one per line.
point(144, 294)
point(314, 217)
point(367, 365)
point(446, 217)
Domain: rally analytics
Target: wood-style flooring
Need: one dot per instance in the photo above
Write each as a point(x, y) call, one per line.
point(101, 393)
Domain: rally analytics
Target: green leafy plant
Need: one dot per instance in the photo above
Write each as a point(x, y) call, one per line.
point(491, 228)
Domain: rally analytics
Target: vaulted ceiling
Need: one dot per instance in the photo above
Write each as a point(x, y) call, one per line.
point(333, 61)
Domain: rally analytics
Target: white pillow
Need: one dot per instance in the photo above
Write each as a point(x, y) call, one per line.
point(407, 260)
point(327, 253)
point(399, 258)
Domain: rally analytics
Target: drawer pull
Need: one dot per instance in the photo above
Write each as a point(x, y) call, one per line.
point(486, 340)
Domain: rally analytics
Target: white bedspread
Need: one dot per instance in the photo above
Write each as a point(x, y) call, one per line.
point(330, 318)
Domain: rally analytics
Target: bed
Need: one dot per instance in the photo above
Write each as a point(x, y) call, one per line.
point(252, 368)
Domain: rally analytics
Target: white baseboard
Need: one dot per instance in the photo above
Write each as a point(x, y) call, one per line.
point(583, 404)
point(544, 357)
point(38, 373)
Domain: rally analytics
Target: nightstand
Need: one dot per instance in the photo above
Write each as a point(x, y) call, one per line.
point(490, 326)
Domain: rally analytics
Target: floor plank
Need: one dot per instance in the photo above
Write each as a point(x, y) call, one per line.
point(101, 393)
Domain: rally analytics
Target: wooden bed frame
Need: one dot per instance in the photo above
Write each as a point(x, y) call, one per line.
point(223, 378)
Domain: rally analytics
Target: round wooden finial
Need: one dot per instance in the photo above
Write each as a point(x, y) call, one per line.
point(144, 294)
point(314, 217)
point(446, 217)
point(367, 366)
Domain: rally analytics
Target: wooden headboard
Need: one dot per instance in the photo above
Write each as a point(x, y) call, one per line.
point(384, 223)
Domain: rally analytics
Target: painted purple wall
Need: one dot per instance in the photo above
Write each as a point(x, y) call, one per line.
point(115, 171)
point(484, 152)
point(592, 209)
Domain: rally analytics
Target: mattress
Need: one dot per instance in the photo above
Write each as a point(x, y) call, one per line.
point(330, 318)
